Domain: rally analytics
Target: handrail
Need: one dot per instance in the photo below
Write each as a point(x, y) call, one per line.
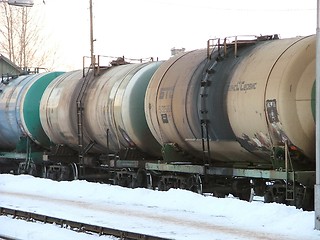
point(214, 43)
point(111, 61)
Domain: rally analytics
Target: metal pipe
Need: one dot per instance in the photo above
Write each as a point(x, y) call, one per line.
point(208, 49)
point(235, 46)
point(91, 36)
point(83, 66)
point(317, 186)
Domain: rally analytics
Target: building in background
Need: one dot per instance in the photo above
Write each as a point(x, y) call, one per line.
point(8, 68)
point(175, 51)
point(20, 3)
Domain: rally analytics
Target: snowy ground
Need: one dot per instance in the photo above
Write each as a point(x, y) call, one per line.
point(176, 214)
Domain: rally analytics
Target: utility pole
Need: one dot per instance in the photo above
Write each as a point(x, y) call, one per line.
point(317, 186)
point(91, 38)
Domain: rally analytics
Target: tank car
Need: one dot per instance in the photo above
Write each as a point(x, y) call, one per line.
point(20, 128)
point(245, 111)
point(110, 121)
point(236, 116)
point(250, 103)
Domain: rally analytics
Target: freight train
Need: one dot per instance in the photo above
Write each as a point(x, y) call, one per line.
point(236, 116)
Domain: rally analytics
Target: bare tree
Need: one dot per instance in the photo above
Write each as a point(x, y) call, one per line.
point(21, 38)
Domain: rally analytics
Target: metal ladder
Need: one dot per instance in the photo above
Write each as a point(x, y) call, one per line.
point(205, 121)
point(290, 188)
point(80, 109)
point(204, 88)
point(221, 48)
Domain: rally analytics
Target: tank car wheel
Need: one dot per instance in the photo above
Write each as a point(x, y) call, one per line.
point(304, 197)
point(44, 171)
point(268, 197)
point(52, 175)
point(259, 187)
point(30, 169)
point(33, 170)
point(120, 181)
point(150, 181)
point(140, 180)
point(121, 178)
point(162, 186)
point(280, 197)
point(246, 195)
point(242, 188)
point(218, 194)
point(194, 184)
point(115, 180)
point(308, 201)
point(75, 172)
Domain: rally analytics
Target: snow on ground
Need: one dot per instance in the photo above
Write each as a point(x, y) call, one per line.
point(175, 214)
point(21, 229)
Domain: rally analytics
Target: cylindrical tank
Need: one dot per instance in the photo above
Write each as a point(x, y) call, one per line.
point(115, 102)
point(172, 99)
point(249, 102)
point(19, 109)
point(270, 96)
point(58, 108)
point(113, 115)
point(185, 91)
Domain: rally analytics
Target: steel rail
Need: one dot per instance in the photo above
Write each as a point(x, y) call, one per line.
point(76, 226)
point(5, 237)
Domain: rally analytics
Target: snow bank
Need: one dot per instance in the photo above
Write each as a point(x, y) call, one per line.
point(257, 216)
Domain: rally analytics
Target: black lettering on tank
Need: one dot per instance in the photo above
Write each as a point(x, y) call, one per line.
point(164, 109)
point(166, 93)
point(164, 118)
point(242, 86)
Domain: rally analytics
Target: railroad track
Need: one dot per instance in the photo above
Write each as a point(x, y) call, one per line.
point(4, 237)
point(75, 226)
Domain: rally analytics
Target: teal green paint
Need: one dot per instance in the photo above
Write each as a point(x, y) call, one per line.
point(139, 123)
point(172, 153)
point(21, 146)
point(31, 108)
point(36, 157)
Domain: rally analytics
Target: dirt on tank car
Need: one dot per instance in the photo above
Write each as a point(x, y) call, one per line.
point(113, 118)
point(244, 103)
point(269, 99)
